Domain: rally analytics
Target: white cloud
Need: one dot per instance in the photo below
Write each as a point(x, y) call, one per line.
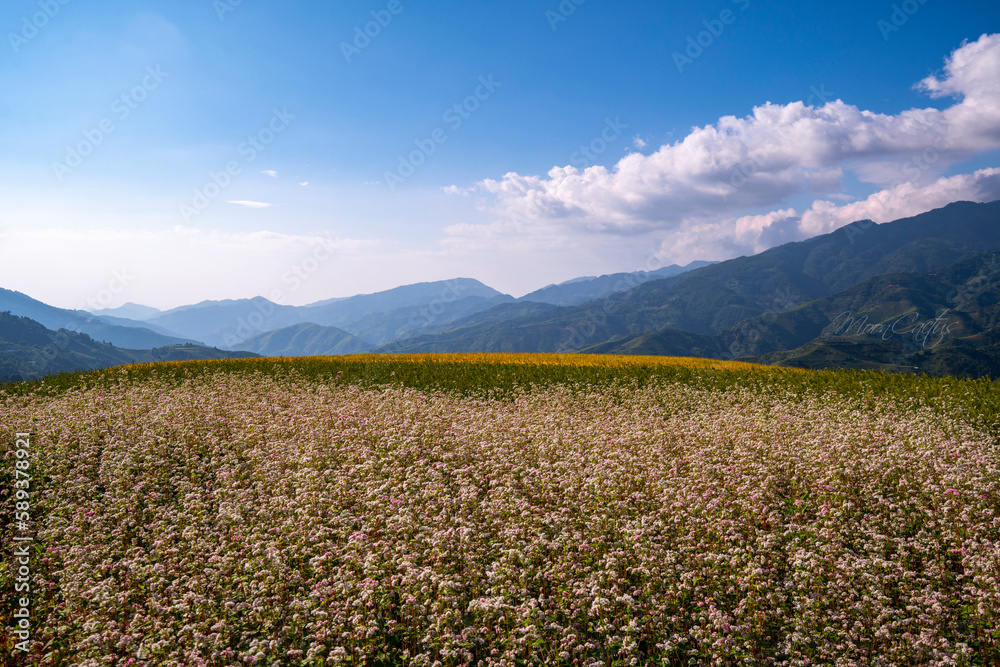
point(902, 201)
point(761, 160)
point(304, 184)
point(270, 172)
point(750, 234)
point(639, 142)
point(252, 204)
point(216, 264)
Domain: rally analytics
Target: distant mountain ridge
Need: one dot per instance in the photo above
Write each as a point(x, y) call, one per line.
point(29, 350)
point(306, 339)
point(407, 295)
point(580, 290)
point(132, 311)
point(381, 318)
point(115, 331)
point(715, 298)
point(374, 318)
point(810, 303)
point(406, 311)
point(226, 323)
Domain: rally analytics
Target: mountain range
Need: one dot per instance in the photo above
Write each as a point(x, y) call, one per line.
point(112, 330)
point(723, 303)
point(918, 294)
point(29, 350)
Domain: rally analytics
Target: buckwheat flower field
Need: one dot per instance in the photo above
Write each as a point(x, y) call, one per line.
point(196, 515)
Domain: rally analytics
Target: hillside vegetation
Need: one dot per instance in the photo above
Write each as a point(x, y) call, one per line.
point(28, 350)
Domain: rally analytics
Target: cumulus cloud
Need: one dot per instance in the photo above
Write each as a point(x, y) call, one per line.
point(749, 234)
point(270, 172)
point(903, 200)
point(705, 183)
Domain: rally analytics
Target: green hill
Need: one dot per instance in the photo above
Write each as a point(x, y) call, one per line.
point(946, 323)
point(117, 331)
point(28, 350)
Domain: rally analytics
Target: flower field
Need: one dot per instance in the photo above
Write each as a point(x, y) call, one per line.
point(557, 511)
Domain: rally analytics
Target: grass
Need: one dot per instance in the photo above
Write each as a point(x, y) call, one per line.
point(978, 400)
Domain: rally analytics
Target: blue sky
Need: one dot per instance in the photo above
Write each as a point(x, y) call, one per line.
point(203, 148)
